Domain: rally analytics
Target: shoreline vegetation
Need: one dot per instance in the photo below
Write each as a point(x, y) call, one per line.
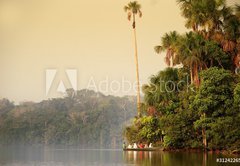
point(83, 119)
point(194, 104)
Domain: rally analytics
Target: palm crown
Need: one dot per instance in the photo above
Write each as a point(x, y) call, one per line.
point(133, 8)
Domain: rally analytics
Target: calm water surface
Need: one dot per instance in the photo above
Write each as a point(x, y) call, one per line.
point(46, 156)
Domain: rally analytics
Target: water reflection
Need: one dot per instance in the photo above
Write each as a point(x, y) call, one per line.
point(61, 156)
point(170, 158)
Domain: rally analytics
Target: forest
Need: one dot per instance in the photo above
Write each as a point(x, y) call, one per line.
point(85, 119)
point(195, 102)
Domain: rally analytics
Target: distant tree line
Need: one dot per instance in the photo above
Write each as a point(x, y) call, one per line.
point(83, 118)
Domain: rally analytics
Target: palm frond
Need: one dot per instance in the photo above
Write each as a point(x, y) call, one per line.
point(129, 16)
point(126, 8)
point(140, 13)
point(158, 49)
point(134, 7)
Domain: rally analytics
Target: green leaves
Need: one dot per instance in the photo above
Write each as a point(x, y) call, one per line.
point(204, 14)
point(162, 89)
point(237, 95)
point(87, 119)
point(183, 116)
point(215, 99)
point(133, 8)
point(210, 109)
point(145, 129)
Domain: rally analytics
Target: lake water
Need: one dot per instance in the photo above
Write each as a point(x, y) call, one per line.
point(48, 156)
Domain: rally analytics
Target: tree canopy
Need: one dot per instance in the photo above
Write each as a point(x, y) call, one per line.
point(203, 111)
point(86, 119)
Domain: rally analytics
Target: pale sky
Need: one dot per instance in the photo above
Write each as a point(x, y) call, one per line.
point(93, 37)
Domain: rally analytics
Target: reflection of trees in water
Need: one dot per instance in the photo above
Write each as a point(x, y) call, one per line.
point(169, 158)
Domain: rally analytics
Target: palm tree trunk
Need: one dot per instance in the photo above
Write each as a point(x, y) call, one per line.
point(191, 74)
point(204, 139)
point(137, 68)
point(204, 135)
point(197, 82)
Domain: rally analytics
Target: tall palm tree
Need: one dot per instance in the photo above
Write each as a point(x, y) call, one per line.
point(133, 9)
point(183, 49)
point(230, 41)
point(169, 44)
point(214, 20)
point(203, 15)
point(190, 48)
point(192, 51)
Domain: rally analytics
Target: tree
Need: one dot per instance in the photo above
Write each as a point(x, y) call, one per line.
point(168, 44)
point(5, 106)
point(208, 116)
point(230, 41)
point(133, 9)
point(194, 52)
point(160, 93)
point(145, 129)
point(190, 49)
point(204, 15)
point(178, 129)
point(214, 20)
point(213, 103)
point(72, 120)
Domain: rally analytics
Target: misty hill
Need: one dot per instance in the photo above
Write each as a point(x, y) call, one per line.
point(84, 118)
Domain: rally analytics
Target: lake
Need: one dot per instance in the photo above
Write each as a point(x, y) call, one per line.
point(49, 156)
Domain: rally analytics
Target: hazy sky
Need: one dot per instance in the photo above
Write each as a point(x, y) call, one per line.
point(93, 37)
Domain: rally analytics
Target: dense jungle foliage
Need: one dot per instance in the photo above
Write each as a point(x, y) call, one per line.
point(195, 102)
